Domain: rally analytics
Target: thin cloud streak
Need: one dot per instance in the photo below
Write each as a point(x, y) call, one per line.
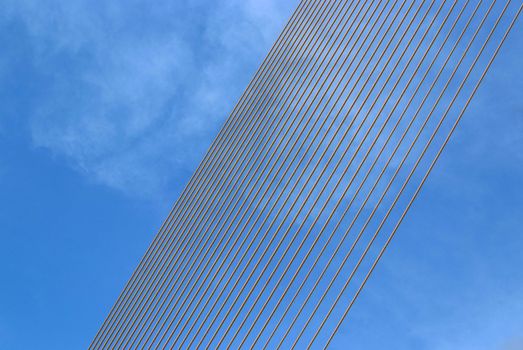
point(128, 100)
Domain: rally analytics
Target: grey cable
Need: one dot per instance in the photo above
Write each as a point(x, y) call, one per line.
point(202, 165)
point(277, 230)
point(365, 178)
point(226, 230)
point(342, 196)
point(320, 212)
point(427, 174)
point(385, 191)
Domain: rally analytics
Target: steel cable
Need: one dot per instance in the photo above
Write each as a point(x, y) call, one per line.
point(213, 253)
point(297, 250)
point(388, 186)
point(340, 200)
point(426, 174)
point(157, 240)
point(277, 230)
point(360, 187)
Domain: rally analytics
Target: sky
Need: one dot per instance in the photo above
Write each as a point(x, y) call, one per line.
point(107, 108)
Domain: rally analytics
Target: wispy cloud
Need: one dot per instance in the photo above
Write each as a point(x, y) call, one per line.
point(514, 344)
point(132, 96)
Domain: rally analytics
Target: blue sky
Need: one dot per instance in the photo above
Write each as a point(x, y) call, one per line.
point(107, 107)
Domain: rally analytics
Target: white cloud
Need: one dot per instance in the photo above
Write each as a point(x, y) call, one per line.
point(134, 92)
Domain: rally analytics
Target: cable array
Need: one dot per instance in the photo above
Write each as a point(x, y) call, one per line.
point(294, 204)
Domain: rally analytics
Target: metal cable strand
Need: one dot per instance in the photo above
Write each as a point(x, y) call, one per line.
point(384, 193)
point(292, 191)
point(426, 174)
point(365, 201)
point(227, 220)
point(202, 166)
point(360, 187)
point(198, 218)
point(243, 204)
point(171, 259)
point(339, 202)
point(193, 178)
point(216, 248)
point(164, 300)
point(178, 285)
point(280, 196)
point(297, 250)
point(231, 213)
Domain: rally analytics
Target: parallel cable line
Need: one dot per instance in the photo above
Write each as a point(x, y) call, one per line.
point(373, 187)
point(175, 284)
point(215, 248)
point(341, 197)
point(203, 165)
point(295, 201)
point(227, 230)
point(211, 267)
point(426, 175)
point(359, 188)
point(305, 152)
point(388, 186)
point(325, 202)
point(413, 170)
point(256, 189)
